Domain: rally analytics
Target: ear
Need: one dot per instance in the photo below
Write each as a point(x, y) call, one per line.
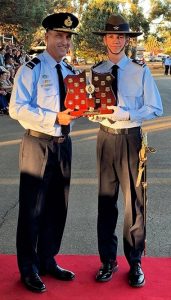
point(46, 37)
point(104, 40)
point(127, 41)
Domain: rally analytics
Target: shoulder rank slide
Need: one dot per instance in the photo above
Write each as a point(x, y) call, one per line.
point(98, 64)
point(32, 63)
point(69, 67)
point(140, 63)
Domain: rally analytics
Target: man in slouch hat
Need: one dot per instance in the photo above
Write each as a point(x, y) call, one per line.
point(118, 145)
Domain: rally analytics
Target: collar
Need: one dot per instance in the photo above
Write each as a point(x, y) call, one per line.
point(121, 64)
point(51, 61)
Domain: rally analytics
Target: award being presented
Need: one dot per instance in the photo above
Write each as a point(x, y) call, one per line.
point(92, 98)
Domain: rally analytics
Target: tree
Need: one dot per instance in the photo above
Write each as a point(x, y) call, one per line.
point(72, 6)
point(22, 25)
point(152, 45)
point(159, 17)
point(160, 9)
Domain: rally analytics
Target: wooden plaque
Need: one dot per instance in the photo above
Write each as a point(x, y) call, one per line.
point(89, 99)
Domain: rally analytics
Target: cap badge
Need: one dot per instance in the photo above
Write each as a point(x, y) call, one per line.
point(115, 27)
point(68, 22)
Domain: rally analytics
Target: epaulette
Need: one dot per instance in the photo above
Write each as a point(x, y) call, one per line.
point(138, 62)
point(32, 63)
point(98, 64)
point(69, 67)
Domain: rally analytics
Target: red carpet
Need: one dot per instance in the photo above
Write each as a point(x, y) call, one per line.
point(84, 287)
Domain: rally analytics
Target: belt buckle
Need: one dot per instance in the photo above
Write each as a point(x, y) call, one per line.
point(116, 131)
point(61, 139)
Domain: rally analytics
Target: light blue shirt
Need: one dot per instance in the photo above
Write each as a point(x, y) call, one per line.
point(137, 92)
point(35, 97)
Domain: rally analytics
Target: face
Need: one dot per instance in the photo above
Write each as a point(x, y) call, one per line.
point(116, 43)
point(58, 43)
point(3, 76)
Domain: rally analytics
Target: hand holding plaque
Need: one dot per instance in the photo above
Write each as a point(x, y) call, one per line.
point(89, 99)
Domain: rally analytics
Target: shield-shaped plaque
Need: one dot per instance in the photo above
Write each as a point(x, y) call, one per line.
point(89, 99)
point(103, 95)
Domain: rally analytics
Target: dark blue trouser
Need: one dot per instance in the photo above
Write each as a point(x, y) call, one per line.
point(117, 161)
point(45, 168)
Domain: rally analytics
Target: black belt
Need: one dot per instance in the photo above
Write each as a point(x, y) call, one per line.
point(132, 130)
point(41, 135)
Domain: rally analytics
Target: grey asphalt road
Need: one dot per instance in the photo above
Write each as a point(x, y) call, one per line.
point(80, 231)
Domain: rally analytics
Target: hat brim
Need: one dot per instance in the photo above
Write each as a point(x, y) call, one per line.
point(131, 34)
point(64, 30)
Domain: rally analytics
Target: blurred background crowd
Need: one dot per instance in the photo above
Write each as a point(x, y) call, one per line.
point(11, 58)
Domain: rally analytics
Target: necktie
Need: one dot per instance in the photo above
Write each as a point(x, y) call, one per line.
point(114, 83)
point(62, 93)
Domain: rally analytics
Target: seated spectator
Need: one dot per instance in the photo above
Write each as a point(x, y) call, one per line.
point(10, 64)
point(6, 85)
point(12, 75)
point(2, 53)
point(8, 54)
point(3, 100)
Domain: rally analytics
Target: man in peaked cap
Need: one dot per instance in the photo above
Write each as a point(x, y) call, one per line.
point(37, 102)
point(118, 145)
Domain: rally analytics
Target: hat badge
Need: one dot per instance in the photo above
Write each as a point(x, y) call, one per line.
point(68, 22)
point(115, 27)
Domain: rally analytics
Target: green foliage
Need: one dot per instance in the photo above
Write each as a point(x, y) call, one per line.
point(22, 12)
point(138, 22)
point(21, 18)
point(160, 8)
point(72, 6)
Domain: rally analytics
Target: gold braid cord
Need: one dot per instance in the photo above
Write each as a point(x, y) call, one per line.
point(143, 157)
point(142, 174)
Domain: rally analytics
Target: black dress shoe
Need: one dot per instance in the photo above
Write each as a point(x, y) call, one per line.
point(105, 273)
point(136, 275)
point(60, 273)
point(34, 283)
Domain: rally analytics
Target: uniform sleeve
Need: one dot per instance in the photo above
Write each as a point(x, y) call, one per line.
point(23, 105)
point(152, 104)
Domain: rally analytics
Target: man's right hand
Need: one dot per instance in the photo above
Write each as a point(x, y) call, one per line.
point(64, 117)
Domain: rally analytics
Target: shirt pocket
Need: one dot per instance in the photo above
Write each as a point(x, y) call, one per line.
point(48, 97)
point(131, 98)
